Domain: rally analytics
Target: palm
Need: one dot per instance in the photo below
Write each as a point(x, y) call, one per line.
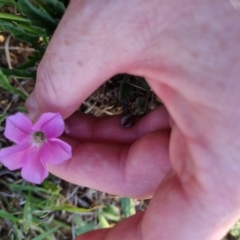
point(130, 162)
point(134, 163)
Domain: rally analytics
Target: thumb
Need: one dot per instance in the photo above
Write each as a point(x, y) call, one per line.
point(84, 52)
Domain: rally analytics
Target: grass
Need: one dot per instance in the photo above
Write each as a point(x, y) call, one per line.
point(51, 212)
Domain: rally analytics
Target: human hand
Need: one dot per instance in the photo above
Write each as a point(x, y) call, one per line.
point(188, 51)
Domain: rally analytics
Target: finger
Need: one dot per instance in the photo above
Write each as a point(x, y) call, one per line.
point(177, 211)
point(117, 168)
point(80, 57)
point(127, 229)
point(108, 129)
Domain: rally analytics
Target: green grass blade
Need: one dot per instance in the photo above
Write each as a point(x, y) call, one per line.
point(29, 29)
point(73, 209)
point(18, 187)
point(46, 234)
point(18, 232)
point(2, 117)
point(128, 207)
point(12, 17)
point(18, 31)
point(4, 83)
point(38, 17)
point(18, 73)
point(22, 109)
point(27, 216)
point(7, 215)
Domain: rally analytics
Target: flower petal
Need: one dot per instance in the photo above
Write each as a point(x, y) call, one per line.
point(51, 124)
point(13, 157)
point(34, 171)
point(18, 128)
point(55, 151)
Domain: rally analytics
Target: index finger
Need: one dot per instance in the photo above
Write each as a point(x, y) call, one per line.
point(80, 57)
point(108, 129)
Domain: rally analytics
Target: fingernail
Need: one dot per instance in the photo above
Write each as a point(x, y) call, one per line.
point(67, 128)
point(32, 107)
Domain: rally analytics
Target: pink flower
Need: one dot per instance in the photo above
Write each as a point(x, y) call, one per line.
point(36, 145)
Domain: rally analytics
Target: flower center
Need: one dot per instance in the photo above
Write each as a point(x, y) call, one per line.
point(38, 138)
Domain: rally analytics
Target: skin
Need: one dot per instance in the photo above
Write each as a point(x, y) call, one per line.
point(185, 157)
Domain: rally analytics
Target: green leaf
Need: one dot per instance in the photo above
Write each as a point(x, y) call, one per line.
point(38, 16)
point(46, 234)
point(235, 230)
point(36, 32)
point(85, 228)
point(12, 17)
point(111, 212)
point(128, 207)
point(49, 9)
point(27, 216)
point(60, 9)
point(82, 226)
point(4, 83)
point(54, 8)
point(57, 6)
point(19, 32)
point(50, 186)
point(6, 215)
point(103, 223)
point(18, 73)
point(65, 2)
